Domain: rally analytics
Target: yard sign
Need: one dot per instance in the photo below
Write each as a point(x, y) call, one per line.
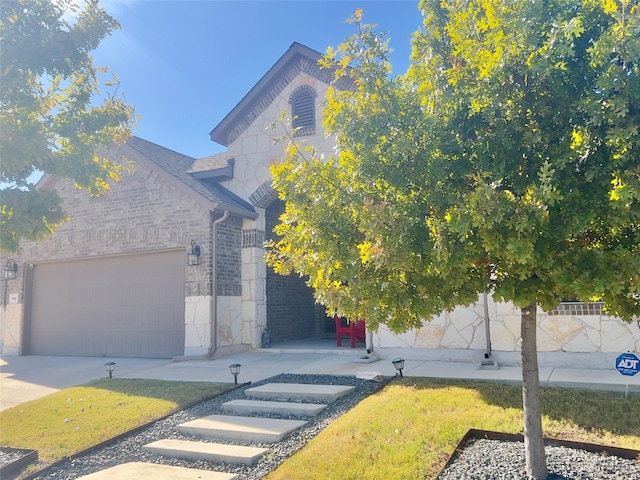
point(628, 364)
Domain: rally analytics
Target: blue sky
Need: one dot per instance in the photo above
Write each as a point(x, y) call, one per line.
point(186, 64)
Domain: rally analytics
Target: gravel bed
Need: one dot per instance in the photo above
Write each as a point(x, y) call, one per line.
point(9, 456)
point(129, 449)
point(499, 460)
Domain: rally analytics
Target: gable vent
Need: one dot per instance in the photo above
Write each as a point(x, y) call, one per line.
point(303, 111)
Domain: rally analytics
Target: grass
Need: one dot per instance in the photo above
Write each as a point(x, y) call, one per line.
point(406, 431)
point(410, 428)
point(77, 418)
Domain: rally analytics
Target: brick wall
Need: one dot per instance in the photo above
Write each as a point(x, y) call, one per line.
point(229, 257)
point(291, 310)
point(142, 212)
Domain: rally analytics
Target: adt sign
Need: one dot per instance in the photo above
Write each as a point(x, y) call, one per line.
point(628, 364)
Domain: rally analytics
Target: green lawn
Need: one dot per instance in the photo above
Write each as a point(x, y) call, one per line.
point(406, 431)
point(410, 428)
point(77, 418)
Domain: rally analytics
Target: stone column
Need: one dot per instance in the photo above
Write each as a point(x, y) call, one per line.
point(254, 275)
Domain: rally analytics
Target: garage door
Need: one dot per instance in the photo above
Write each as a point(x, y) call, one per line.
point(125, 306)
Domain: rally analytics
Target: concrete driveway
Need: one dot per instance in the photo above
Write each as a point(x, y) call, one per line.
point(29, 377)
point(25, 378)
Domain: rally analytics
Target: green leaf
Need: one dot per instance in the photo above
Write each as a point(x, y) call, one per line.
point(63, 128)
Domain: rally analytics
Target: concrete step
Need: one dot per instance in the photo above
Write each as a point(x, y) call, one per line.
point(138, 470)
point(240, 429)
point(298, 391)
point(294, 409)
point(211, 452)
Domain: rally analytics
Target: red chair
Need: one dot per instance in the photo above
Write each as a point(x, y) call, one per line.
point(355, 330)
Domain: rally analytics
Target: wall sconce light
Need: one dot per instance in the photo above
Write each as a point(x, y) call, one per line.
point(399, 364)
point(193, 255)
point(10, 270)
point(110, 366)
point(235, 370)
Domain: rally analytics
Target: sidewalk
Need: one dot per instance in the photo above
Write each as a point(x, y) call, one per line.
point(26, 378)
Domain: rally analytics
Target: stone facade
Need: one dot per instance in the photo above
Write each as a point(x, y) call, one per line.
point(162, 207)
point(462, 331)
point(258, 147)
point(254, 146)
point(563, 340)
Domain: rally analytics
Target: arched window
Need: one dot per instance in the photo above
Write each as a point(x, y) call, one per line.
point(303, 111)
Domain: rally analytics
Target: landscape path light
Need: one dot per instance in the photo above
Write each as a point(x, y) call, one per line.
point(110, 366)
point(399, 364)
point(235, 370)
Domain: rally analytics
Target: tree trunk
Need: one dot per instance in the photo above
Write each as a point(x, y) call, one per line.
point(536, 465)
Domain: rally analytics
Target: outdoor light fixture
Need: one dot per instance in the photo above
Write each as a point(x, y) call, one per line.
point(110, 366)
point(235, 370)
point(193, 255)
point(399, 364)
point(10, 270)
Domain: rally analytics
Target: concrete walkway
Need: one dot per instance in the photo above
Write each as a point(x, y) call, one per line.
point(26, 378)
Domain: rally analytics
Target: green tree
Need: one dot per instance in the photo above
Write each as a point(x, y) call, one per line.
point(54, 117)
point(507, 159)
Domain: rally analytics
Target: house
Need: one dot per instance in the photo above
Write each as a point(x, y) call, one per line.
point(114, 280)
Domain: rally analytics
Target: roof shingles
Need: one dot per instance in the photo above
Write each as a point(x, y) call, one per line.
point(178, 165)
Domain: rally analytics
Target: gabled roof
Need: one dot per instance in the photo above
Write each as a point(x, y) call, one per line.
point(217, 160)
point(214, 168)
point(297, 59)
point(177, 166)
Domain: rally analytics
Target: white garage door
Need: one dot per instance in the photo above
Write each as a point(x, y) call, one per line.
point(125, 306)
